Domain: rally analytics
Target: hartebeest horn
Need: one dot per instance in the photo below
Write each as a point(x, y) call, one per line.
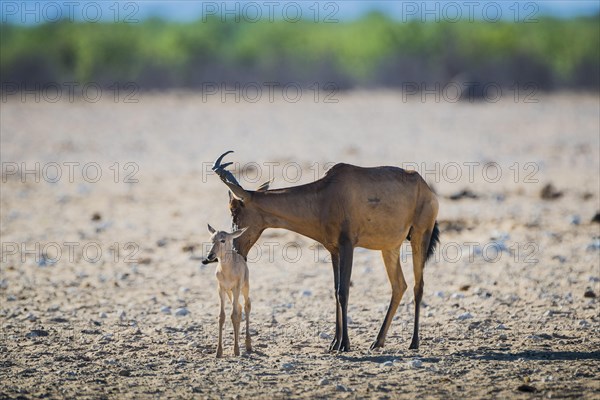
point(218, 162)
point(228, 178)
point(222, 172)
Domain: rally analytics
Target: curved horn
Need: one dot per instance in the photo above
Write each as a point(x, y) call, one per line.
point(217, 163)
point(228, 178)
point(219, 169)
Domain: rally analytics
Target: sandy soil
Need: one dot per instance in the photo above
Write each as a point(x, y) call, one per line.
point(95, 270)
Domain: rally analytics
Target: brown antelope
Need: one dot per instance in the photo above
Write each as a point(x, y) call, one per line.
point(233, 277)
point(374, 208)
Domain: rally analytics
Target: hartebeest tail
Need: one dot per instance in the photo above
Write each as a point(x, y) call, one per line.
point(433, 241)
point(374, 208)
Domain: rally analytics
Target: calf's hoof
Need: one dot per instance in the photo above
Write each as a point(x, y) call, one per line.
point(219, 353)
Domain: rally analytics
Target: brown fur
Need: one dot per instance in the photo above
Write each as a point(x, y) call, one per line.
point(373, 208)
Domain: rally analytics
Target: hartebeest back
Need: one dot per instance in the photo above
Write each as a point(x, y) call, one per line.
point(375, 208)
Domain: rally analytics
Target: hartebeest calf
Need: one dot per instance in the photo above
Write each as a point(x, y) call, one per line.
point(233, 278)
point(375, 208)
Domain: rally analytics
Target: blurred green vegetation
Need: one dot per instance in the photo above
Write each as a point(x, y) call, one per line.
point(373, 51)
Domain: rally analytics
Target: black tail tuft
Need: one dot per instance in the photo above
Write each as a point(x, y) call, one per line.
point(434, 241)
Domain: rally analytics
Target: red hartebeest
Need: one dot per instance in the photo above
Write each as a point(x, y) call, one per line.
point(374, 208)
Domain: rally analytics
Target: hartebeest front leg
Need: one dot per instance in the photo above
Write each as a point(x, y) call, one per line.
point(345, 266)
point(221, 322)
point(337, 338)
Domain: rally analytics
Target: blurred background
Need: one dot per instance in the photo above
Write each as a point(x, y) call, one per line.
point(111, 118)
point(356, 44)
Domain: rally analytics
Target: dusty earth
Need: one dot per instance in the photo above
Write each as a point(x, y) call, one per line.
point(102, 293)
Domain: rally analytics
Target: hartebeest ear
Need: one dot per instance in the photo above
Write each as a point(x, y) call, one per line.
point(238, 192)
point(211, 229)
point(235, 196)
point(238, 233)
point(264, 186)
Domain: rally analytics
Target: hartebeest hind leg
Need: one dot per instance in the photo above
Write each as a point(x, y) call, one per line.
point(391, 259)
point(346, 251)
point(419, 243)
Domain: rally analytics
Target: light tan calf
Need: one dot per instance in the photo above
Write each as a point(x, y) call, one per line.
point(233, 277)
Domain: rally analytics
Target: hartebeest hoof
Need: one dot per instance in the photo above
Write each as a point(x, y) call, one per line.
point(219, 352)
point(248, 345)
point(376, 345)
point(338, 346)
point(344, 347)
point(414, 345)
point(333, 345)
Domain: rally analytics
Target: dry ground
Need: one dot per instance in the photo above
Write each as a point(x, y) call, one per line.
point(506, 309)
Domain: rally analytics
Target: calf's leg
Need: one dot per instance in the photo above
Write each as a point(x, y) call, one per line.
point(236, 318)
point(247, 308)
point(221, 322)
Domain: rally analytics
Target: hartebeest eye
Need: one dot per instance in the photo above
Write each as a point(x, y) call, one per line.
point(222, 240)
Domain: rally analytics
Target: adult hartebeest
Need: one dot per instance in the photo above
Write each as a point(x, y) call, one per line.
point(375, 208)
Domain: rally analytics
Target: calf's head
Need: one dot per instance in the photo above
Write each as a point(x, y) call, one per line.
point(222, 243)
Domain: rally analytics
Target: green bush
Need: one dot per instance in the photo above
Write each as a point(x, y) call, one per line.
point(373, 51)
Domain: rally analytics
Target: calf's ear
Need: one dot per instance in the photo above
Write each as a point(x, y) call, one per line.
point(238, 233)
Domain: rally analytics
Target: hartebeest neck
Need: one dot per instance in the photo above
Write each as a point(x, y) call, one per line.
point(296, 209)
